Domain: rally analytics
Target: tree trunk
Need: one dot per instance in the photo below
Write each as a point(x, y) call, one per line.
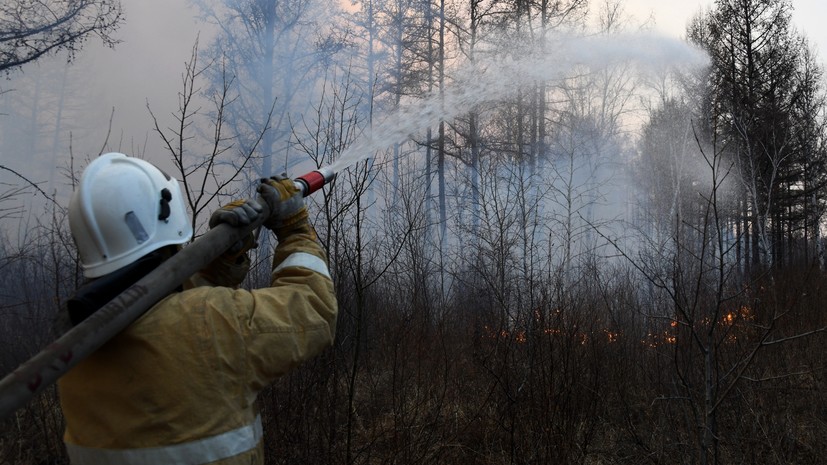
point(443, 215)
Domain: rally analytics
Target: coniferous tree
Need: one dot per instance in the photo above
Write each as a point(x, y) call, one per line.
point(758, 81)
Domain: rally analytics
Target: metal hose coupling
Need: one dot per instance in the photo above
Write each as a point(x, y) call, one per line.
point(314, 180)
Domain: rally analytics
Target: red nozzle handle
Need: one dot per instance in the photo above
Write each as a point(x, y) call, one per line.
point(314, 180)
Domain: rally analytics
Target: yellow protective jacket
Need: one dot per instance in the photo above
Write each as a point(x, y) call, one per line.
point(178, 385)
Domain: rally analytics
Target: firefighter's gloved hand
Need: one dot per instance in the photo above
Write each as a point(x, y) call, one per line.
point(237, 213)
point(230, 268)
point(288, 214)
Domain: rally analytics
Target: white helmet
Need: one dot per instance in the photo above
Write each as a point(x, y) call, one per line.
point(123, 209)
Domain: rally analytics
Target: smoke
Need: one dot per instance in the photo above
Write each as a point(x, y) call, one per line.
point(144, 69)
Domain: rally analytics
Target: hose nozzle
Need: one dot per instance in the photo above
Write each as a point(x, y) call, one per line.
point(314, 180)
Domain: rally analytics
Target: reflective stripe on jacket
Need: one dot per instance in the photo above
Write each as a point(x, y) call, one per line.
point(182, 380)
point(198, 452)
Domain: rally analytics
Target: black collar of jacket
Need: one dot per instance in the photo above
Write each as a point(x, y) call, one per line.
point(98, 292)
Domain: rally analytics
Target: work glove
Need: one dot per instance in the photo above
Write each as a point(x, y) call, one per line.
point(288, 214)
point(230, 268)
point(236, 213)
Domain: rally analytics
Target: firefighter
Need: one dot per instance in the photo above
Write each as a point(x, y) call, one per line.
point(179, 385)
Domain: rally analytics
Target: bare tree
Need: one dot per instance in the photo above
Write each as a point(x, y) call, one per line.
point(206, 175)
point(277, 50)
point(31, 29)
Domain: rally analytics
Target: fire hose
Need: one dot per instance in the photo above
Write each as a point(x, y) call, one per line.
point(42, 370)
